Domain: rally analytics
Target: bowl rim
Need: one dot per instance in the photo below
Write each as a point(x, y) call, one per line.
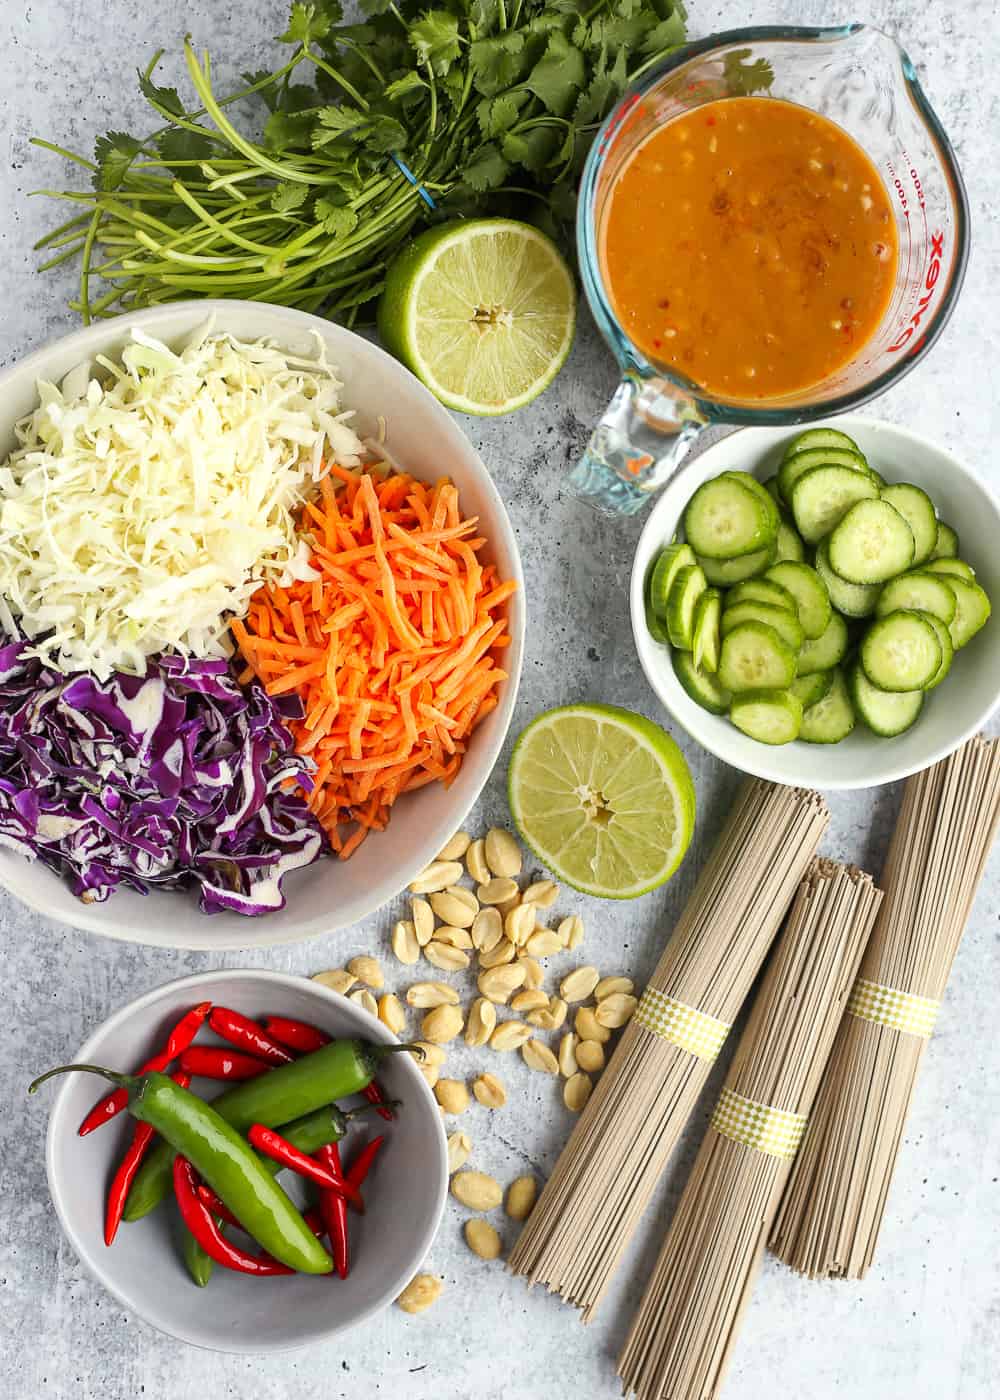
point(762, 768)
point(18, 879)
point(59, 1109)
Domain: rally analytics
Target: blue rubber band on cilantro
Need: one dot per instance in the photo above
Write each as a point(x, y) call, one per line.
point(409, 175)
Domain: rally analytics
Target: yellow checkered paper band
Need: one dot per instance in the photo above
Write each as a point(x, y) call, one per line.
point(903, 1011)
point(682, 1025)
point(756, 1125)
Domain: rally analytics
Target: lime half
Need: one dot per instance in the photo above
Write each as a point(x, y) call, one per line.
point(482, 310)
point(604, 797)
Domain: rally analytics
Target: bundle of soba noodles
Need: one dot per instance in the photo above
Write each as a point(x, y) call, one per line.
point(684, 1331)
point(829, 1220)
point(578, 1231)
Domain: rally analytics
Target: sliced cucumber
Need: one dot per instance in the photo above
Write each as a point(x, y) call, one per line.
point(851, 599)
point(830, 719)
point(666, 566)
point(769, 716)
point(707, 640)
point(946, 544)
point(878, 478)
point(723, 573)
point(821, 437)
point(822, 497)
point(885, 712)
point(950, 566)
point(811, 689)
point(901, 652)
point(947, 650)
point(762, 590)
point(761, 492)
point(917, 509)
point(796, 466)
point(755, 657)
point(702, 687)
point(725, 519)
point(972, 611)
point(788, 544)
point(918, 592)
point(871, 544)
point(771, 487)
point(654, 626)
point(810, 593)
point(688, 585)
point(825, 652)
point(785, 623)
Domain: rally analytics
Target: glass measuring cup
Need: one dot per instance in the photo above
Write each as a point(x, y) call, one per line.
point(857, 77)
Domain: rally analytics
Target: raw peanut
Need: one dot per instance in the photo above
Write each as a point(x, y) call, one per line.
point(487, 930)
point(456, 848)
point(452, 1095)
point(404, 942)
point(475, 862)
point(498, 984)
point(609, 985)
point(437, 876)
point(336, 978)
point(420, 1293)
point(616, 1010)
point(503, 854)
point(489, 1091)
point(425, 995)
point(529, 1000)
point(519, 924)
point(497, 891)
point(391, 1013)
point(568, 1047)
point(459, 1149)
point(442, 1024)
point(433, 1054)
point(590, 1055)
point(423, 920)
point(588, 1027)
point(550, 1017)
point(537, 1055)
point(521, 1196)
point(508, 905)
point(368, 971)
point(579, 984)
point(576, 1091)
point(455, 906)
point(363, 998)
point(543, 894)
point(482, 1019)
point(509, 1035)
point(543, 943)
point(500, 953)
point(482, 1239)
point(476, 1190)
point(431, 1073)
point(447, 958)
point(454, 937)
point(570, 931)
point(534, 974)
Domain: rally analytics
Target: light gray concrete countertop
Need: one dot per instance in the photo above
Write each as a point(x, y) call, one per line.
point(927, 1321)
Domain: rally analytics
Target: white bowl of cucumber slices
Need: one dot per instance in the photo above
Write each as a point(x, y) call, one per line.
point(813, 605)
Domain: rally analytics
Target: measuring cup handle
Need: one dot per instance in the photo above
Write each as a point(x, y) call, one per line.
point(646, 432)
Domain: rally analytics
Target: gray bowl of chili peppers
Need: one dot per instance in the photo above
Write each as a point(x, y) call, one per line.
point(246, 1160)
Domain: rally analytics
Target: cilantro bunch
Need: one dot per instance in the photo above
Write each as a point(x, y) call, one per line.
point(290, 190)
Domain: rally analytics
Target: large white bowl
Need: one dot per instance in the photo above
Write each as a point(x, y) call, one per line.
point(955, 710)
point(422, 437)
point(143, 1269)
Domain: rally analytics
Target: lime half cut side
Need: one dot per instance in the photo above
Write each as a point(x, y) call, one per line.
point(482, 310)
point(603, 797)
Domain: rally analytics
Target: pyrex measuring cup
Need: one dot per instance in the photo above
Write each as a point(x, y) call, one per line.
point(857, 77)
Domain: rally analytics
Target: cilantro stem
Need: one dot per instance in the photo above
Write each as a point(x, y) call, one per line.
point(186, 197)
point(61, 151)
point(88, 248)
point(338, 78)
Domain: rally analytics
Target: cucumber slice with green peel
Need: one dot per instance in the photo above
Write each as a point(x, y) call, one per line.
point(872, 543)
point(755, 657)
point(762, 590)
point(702, 687)
point(707, 639)
point(832, 718)
point(771, 487)
point(851, 599)
point(886, 713)
point(821, 437)
point(666, 566)
point(950, 566)
point(723, 573)
point(826, 651)
point(917, 509)
point(688, 585)
point(811, 595)
point(812, 688)
point(785, 623)
point(918, 592)
point(946, 544)
point(972, 611)
point(796, 466)
point(761, 492)
point(878, 478)
point(656, 629)
point(769, 716)
point(725, 519)
point(788, 544)
point(947, 650)
point(822, 497)
point(901, 652)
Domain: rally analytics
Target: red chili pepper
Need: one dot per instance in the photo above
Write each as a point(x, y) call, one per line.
point(272, 1144)
point(198, 1219)
point(374, 1094)
point(178, 1040)
point(121, 1182)
point(296, 1035)
point(361, 1166)
point(248, 1035)
point(213, 1062)
point(333, 1208)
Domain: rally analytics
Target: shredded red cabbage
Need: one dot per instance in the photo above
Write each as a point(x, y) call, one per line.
point(177, 778)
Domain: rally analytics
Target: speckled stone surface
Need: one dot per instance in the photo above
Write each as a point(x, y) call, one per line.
point(927, 1321)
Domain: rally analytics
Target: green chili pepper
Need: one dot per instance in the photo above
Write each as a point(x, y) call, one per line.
point(335, 1071)
point(224, 1160)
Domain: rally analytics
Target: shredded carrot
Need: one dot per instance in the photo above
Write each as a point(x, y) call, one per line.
point(392, 650)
